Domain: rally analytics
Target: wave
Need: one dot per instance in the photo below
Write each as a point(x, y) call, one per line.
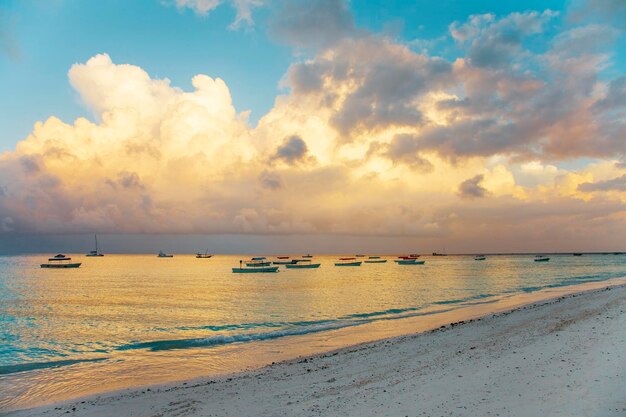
point(23, 367)
point(464, 300)
point(158, 345)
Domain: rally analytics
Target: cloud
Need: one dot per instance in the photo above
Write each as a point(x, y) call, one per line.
point(611, 11)
point(312, 23)
point(368, 138)
point(243, 8)
point(495, 42)
point(615, 184)
point(472, 188)
point(292, 150)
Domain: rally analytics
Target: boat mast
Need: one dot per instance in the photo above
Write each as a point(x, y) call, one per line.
point(96, 239)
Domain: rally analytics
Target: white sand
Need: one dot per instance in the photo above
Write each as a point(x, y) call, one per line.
point(565, 357)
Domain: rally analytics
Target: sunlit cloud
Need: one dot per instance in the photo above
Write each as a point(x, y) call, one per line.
point(369, 137)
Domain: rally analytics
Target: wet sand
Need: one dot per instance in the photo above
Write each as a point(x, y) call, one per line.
point(564, 356)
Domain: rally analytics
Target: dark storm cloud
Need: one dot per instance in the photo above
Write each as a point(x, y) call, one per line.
point(471, 188)
point(615, 184)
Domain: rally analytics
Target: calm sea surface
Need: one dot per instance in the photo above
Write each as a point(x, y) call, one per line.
point(123, 320)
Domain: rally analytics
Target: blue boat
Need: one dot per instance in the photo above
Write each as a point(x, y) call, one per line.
point(302, 266)
point(285, 262)
point(255, 269)
point(258, 264)
point(409, 262)
point(348, 264)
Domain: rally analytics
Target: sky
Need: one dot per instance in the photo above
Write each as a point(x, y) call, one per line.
point(317, 126)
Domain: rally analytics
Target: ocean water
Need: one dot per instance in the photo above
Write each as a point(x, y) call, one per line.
point(124, 320)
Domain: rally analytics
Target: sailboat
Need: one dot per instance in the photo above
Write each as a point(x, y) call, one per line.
point(95, 252)
point(204, 255)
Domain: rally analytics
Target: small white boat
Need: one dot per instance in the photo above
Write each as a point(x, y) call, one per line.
point(164, 255)
point(95, 252)
point(60, 261)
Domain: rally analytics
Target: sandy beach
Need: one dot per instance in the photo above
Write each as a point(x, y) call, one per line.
point(561, 357)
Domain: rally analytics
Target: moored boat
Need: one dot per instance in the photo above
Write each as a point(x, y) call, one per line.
point(291, 262)
point(164, 255)
point(282, 257)
point(356, 263)
point(204, 255)
point(541, 258)
point(480, 257)
point(60, 261)
point(307, 256)
point(258, 265)
point(302, 266)
point(577, 254)
point(375, 260)
point(258, 262)
point(255, 269)
point(411, 261)
point(95, 252)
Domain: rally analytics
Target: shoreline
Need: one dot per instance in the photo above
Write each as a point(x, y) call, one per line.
point(142, 397)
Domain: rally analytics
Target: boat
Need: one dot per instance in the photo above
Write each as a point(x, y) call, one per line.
point(164, 255)
point(414, 255)
point(282, 257)
point(408, 257)
point(302, 266)
point(439, 254)
point(95, 252)
point(258, 263)
point(291, 262)
point(360, 256)
point(346, 259)
point(204, 255)
point(577, 254)
point(409, 262)
point(60, 261)
point(307, 256)
point(480, 257)
point(375, 261)
point(356, 263)
point(257, 269)
point(541, 258)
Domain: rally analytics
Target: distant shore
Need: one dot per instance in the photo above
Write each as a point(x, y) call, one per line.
point(562, 356)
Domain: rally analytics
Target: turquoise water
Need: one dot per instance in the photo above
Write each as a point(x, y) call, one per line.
point(124, 319)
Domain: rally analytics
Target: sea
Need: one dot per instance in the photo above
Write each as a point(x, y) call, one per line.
point(123, 321)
